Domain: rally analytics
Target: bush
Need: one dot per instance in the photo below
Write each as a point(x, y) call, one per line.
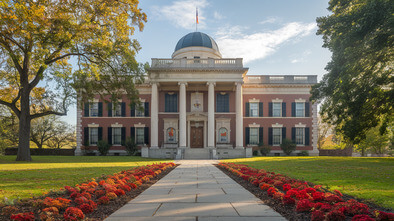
point(131, 146)
point(103, 147)
point(265, 150)
point(255, 152)
point(288, 146)
point(303, 153)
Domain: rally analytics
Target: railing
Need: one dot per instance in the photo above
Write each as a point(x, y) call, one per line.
point(197, 63)
point(280, 79)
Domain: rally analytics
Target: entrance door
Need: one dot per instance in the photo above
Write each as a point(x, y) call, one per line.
point(196, 137)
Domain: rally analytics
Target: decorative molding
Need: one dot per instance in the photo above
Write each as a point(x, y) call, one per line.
point(254, 100)
point(277, 125)
point(277, 100)
point(300, 100)
point(139, 125)
point(254, 125)
point(116, 125)
point(300, 125)
point(93, 125)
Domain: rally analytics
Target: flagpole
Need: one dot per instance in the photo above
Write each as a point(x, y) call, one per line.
point(196, 18)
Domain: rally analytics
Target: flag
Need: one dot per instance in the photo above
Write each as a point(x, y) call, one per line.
point(196, 15)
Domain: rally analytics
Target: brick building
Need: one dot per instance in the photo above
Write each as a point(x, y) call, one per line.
point(200, 105)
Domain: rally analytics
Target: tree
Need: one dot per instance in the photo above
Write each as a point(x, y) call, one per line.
point(324, 129)
point(39, 38)
point(64, 136)
point(8, 127)
point(357, 92)
point(43, 129)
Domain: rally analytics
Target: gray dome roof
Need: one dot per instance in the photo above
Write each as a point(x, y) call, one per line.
point(196, 39)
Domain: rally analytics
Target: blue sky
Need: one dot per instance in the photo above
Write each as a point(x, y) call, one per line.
point(272, 36)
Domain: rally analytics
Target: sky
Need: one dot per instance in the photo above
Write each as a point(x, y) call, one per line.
point(274, 37)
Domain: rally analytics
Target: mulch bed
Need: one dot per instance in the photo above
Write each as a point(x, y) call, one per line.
point(287, 211)
point(103, 211)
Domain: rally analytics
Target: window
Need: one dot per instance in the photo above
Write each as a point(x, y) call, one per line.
point(171, 135)
point(299, 136)
point(254, 109)
point(117, 110)
point(223, 135)
point(171, 102)
point(93, 109)
point(300, 109)
point(117, 135)
point(254, 135)
point(93, 136)
point(140, 111)
point(139, 135)
point(222, 102)
point(276, 136)
point(276, 109)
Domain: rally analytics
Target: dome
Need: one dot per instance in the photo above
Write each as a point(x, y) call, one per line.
point(196, 39)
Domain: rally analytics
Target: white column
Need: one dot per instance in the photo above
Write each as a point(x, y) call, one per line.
point(239, 143)
point(211, 114)
point(154, 119)
point(78, 151)
point(182, 114)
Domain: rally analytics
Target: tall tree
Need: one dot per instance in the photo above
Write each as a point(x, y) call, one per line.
point(357, 93)
point(39, 38)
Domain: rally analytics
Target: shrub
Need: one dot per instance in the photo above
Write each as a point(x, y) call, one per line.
point(131, 146)
point(255, 152)
point(265, 150)
point(103, 147)
point(288, 146)
point(303, 153)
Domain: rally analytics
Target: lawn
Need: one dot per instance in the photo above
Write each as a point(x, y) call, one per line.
point(371, 179)
point(45, 173)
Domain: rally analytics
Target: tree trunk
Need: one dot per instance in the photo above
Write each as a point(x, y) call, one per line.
point(24, 127)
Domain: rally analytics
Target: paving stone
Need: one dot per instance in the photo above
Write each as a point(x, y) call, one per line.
point(196, 209)
point(131, 210)
point(176, 198)
point(156, 191)
point(151, 218)
point(254, 209)
point(211, 198)
point(224, 218)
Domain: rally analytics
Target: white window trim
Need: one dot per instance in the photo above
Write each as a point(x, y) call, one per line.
point(142, 112)
point(303, 138)
point(296, 109)
point(300, 125)
point(254, 125)
point(277, 100)
point(250, 109)
point(277, 125)
point(280, 111)
point(90, 144)
point(280, 136)
point(258, 135)
point(114, 106)
point(135, 135)
point(90, 109)
point(254, 100)
point(139, 125)
point(116, 125)
point(113, 134)
point(93, 125)
point(300, 100)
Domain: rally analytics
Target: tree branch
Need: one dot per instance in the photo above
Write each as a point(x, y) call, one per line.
point(12, 106)
point(36, 78)
point(45, 113)
point(12, 55)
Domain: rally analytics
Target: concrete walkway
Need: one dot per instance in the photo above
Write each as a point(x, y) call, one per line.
point(196, 191)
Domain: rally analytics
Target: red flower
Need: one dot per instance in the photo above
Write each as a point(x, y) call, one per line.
point(103, 200)
point(317, 215)
point(325, 207)
point(304, 205)
point(271, 191)
point(287, 199)
point(264, 186)
point(286, 187)
point(362, 218)
point(336, 215)
point(86, 208)
point(73, 214)
point(383, 216)
point(23, 216)
point(318, 196)
point(81, 200)
point(338, 193)
point(119, 192)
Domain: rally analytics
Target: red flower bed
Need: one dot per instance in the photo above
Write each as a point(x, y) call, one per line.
point(84, 198)
point(321, 204)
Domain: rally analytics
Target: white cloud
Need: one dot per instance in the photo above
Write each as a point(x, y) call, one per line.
point(269, 20)
point(300, 58)
point(233, 43)
point(183, 13)
point(217, 15)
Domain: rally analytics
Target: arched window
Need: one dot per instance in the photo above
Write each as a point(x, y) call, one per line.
point(171, 135)
point(223, 135)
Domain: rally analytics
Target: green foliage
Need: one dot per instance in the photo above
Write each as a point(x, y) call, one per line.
point(131, 146)
point(103, 147)
point(265, 150)
point(288, 146)
point(365, 178)
point(375, 142)
point(303, 153)
point(357, 92)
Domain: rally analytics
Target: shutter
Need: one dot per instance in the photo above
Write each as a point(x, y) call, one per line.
point(283, 109)
point(132, 114)
point(270, 136)
point(260, 109)
point(146, 109)
point(306, 109)
point(110, 135)
point(86, 109)
point(283, 133)
point(306, 136)
point(100, 133)
point(270, 109)
point(247, 109)
point(100, 109)
point(293, 134)
point(146, 135)
point(132, 133)
point(109, 109)
point(123, 110)
point(293, 109)
point(261, 136)
point(247, 129)
point(86, 136)
point(123, 136)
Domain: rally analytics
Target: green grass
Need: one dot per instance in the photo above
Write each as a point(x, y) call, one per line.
point(45, 173)
point(371, 179)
